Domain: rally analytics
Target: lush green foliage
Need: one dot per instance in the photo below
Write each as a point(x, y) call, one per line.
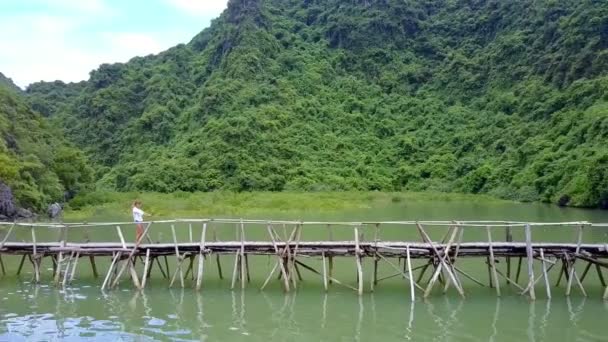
point(508, 98)
point(117, 205)
point(35, 161)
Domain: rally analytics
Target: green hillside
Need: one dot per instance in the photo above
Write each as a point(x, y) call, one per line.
point(508, 98)
point(36, 163)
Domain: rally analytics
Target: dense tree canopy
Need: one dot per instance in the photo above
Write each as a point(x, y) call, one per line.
point(35, 161)
point(508, 98)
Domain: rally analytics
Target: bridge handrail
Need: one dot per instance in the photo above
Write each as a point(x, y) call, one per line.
point(488, 223)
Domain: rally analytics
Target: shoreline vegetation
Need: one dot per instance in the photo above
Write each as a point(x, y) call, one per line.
point(197, 204)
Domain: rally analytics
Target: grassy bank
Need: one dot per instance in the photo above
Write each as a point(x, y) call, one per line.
point(204, 204)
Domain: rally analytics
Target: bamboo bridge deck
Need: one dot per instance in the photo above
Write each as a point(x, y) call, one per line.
point(291, 253)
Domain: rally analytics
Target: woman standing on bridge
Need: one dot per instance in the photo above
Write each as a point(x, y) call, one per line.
point(138, 218)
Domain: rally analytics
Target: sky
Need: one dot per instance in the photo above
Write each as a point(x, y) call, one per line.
point(65, 39)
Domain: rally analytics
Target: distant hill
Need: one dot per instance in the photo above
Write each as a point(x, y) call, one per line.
point(8, 83)
point(508, 98)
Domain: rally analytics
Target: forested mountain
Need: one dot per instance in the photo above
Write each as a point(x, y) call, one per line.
point(37, 165)
point(8, 83)
point(508, 98)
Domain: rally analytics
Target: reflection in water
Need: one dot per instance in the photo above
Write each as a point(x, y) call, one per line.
point(47, 313)
point(531, 322)
point(359, 321)
point(410, 322)
point(495, 320)
point(545, 320)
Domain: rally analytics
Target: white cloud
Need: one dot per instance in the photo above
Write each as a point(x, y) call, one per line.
point(88, 6)
point(66, 39)
point(204, 8)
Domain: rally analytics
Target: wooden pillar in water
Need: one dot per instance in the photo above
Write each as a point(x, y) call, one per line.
point(530, 257)
point(509, 238)
point(409, 271)
point(492, 264)
point(358, 253)
point(36, 259)
point(545, 275)
point(201, 258)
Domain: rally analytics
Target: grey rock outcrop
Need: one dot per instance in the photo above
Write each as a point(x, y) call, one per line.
point(7, 206)
point(54, 210)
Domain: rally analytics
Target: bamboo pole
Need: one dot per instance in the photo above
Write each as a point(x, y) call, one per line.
point(600, 275)
point(530, 256)
point(66, 274)
point(374, 279)
point(358, 253)
point(93, 266)
point(122, 238)
point(178, 259)
point(324, 271)
point(109, 274)
point(6, 237)
point(242, 256)
point(234, 269)
point(201, 258)
point(519, 262)
point(492, 264)
point(458, 242)
point(280, 257)
point(36, 261)
point(145, 275)
point(575, 276)
point(572, 270)
point(509, 238)
point(129, 261)
point(276, 265)
point(442, 260)
point(398, 269)
point(217, 256)
point(409, 271)
point(547, 286)
point(77, 257)
point(21, 264)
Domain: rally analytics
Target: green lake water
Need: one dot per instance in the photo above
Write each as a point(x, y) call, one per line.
point(43, 312)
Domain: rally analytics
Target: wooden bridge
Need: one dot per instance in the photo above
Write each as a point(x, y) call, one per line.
point(440, 267)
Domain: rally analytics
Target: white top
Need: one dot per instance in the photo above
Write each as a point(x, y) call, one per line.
point(138, 214)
